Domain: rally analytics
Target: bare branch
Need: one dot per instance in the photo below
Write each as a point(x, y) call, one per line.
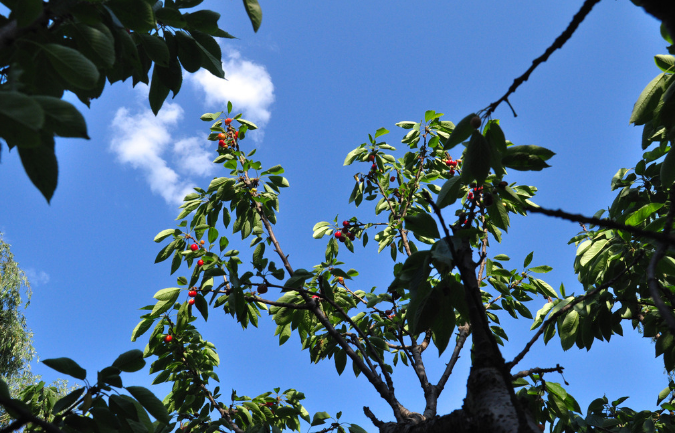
point(538, 370)
point(558, 43)
point(604, 222)
point(464, 332)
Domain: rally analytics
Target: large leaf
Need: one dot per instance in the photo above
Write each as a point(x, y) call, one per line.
point(477, 159)
point(66, 366)
point(648, 100)
point(462, 131)
point(62, 117)
point(130, 361)
point(152, 404)
point(668, 169)
point(449, 193)
point(41, 166)
point(72, 66)
point(23, 110)
point(133, 14)
point(95, 43)
point(254, 13)
point(422, 224)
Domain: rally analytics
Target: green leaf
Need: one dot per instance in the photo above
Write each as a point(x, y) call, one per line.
point(381, 131)
point(648, 100)
point(203, 20)
point(568, 330)
point(155, 48)
point(67, 401)
point(351, 156)
point(130, 361)
point(528, 259)
point(140, 329)
point(254, 13)
point(668, 169)
point(72, 66)
point(133, 14)
point(449, 193)
point(422, 224)
point(62, 117)
point(640, 215)
point(665, 62)
point(170, 294)
point(152, 404)
point(251, 126)
point(541, 269)
point(462, 131)
point(66, 366)
point(171, 17)
point(556, 389)
point(22, 109)
point(210, 117)
point(96, 43)
point(41, 165)
point(353, 428)
point(319, 418)
point(165, 234)
point(158, 92)
point(665, 392)
point(477, 159)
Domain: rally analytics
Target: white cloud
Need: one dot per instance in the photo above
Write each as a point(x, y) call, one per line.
point(36, 278)
point(143, 141)
point(248, 86)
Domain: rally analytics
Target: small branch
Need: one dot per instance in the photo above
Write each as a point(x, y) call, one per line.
point(652, 280)
point(604, 222)
point(278, 304)
point(538, 370)
point(557, 44)
point(464, 332)
point(25, 416)
point(568, 307)
point(224, 413)
point(371, 416)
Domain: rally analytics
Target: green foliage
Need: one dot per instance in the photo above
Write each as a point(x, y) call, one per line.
point(46, 49)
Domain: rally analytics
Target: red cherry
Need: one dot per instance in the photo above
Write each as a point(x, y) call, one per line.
point(342, 239)
point(470, 196)
point(221, 136)
point(475, 122)
point(228, 121)
point(191, 301)
point(351, 236)
point(200, 262)
point(393, 178)
point(371, 158)
point(236, 134)
point(345, 223)
point(448, 162)
point(315, 297)
point(452, 172)
point(194, 247)
point(168, 339)
point(338, 234)
point(192, 293)
point(221, 143)
point(374, 167)
point(341, 280)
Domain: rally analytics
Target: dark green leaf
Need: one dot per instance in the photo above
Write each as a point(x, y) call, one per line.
point(155, 48)
point(477, 159)
point(462, 131)
point(648, 100)
point(449, 193)
point(66, 366)
point(22, 109)
point(319, 418)
point(72, 66)
point(67, 401)
point(171, 17)
point(133, 14)
point(130, 361)
point(41, 166)
point(158, 92)
point(26, 11)
point(62, 117)
point(203, 20)
point(668, 169)
point(152, 404)
point(140, 329)
point(422, 224)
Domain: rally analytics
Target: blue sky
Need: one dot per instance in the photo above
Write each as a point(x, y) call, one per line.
point(317, 78)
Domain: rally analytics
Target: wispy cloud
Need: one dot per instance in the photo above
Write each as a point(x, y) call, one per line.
point(248, 86)
point(171, 166)
point(140, 140)
point(36, 277)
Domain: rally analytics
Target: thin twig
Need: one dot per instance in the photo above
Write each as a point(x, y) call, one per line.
point(557, 44)
point(538, 370)
point(566, 308)
point(603, 222)
point(464, 331)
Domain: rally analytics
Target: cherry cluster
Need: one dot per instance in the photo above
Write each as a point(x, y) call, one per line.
point(452, 164)
point(195, 247)
point(477, 193)
point(229, 139)
point(345, 232)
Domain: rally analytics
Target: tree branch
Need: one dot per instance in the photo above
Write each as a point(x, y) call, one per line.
point(537, 370)
point(558, 43)
point(604, 222)
point(26, 416)
point(464, 331)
